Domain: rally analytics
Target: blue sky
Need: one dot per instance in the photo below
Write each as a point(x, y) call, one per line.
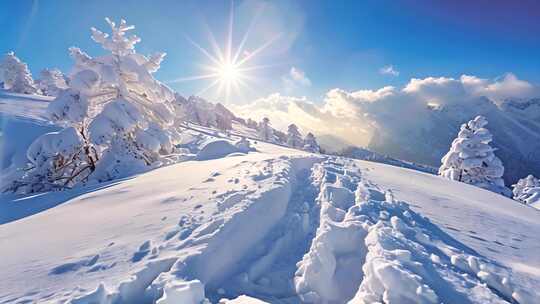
point(334, 44)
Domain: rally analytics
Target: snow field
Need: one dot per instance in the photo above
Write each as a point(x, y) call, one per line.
point(203, 255)
point(367, 247)
point(274, 227)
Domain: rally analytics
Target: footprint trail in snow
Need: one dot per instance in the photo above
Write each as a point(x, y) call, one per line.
point(303, 229)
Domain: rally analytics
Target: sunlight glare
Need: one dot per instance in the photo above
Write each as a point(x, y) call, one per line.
point(229, 66)
point(229, 73)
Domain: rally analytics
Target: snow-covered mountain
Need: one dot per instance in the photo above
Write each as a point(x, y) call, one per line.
point(514, 124)
point(261, 223)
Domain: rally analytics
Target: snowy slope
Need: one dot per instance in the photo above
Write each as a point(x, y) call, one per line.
point(278, 225)
point(26, 106)
point(22, 119)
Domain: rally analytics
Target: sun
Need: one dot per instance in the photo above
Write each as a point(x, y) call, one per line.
point(229, 73)
point(229, 68)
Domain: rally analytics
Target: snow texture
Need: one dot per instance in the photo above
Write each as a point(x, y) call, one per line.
point(275, 226)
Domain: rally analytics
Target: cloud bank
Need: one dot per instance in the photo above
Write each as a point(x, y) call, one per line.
point(355, 117)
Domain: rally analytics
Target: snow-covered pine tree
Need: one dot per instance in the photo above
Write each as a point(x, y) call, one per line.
point(16, 76)
point(120, 114)
point(204, 112)
point(310, 143)
point(224, 117)
point(137, 111)
point(294, 138)
point(266, 132)
point(280, 137)
point(472, 160)
point(527, 190)
point(252, 124)
point(51, 82)
point(185, 109)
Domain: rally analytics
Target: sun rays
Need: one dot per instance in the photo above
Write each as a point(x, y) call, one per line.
point(229, 69)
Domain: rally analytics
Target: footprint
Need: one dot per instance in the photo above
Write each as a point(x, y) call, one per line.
point(261, 176)
point(171, 199)
point(74, 266)
point(478, 238)
point(452, 228)
point(184, 233)
point(171, 234)
point(144, 249)
point(231, 200)
point(209, 228)
point(493, 250)
point(101, 267)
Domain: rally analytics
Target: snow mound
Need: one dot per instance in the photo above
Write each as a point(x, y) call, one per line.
point(217, 149)
point(22, 120)
point(242, 300)
point(191, 292)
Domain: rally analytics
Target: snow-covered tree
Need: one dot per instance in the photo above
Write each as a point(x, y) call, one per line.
point(252, 124)
point(137, 110)
point(527, 190)
point(185, 109)
point(51, 82)
point(471, 159)
point(16, 76)
point(56, 161)
point(266, 132)
point(280, 137)
point(244, 145)
point(120, 113)
point(199, 111)
point(204, 112)
point(294, 138)
point(224, 117)
point(310, 143)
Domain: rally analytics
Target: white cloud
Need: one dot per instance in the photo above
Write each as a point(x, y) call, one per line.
point(295, 78)
point(357, 116)
point(389, 70)
point(509, 86)
point(440, 90)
